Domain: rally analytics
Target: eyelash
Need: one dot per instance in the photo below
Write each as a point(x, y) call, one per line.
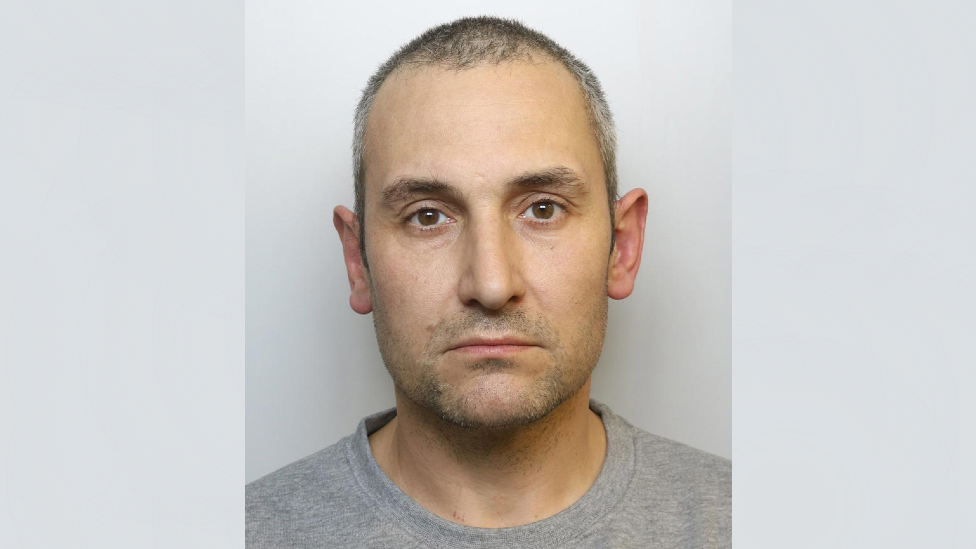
point(547, 200)
point(417, 225)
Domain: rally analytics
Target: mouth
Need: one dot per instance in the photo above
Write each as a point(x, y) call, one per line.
point(492, 347)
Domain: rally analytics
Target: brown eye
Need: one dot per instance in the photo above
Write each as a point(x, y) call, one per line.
point(543, 210)
point(428, 217)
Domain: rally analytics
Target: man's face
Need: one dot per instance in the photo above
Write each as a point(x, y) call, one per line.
point(488, 239)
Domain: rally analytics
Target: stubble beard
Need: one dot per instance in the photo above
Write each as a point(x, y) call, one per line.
point(417, 379)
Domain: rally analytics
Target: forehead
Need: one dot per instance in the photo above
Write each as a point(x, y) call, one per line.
point(486, 123)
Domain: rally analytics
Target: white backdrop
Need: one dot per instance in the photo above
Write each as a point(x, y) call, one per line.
point(313, 369)
point(809, 245)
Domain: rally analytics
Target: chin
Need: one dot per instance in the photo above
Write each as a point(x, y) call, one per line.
point(498, 401)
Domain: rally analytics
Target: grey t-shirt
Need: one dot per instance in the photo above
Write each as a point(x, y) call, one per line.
point(652, 492)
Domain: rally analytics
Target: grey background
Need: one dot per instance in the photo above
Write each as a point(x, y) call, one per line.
point(842, 136)
point(313, 369)
point(121, 274)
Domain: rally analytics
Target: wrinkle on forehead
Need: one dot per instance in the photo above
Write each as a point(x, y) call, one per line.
point(427, 118)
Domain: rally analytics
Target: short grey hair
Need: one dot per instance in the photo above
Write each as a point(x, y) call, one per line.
point(470, 42)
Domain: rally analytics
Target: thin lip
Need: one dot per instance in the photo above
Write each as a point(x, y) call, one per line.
point(484, 341)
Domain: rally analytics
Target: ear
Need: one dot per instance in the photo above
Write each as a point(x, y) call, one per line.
point(629, 219)
point(347, 225)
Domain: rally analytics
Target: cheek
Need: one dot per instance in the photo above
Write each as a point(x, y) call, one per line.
point(412, 294)
point(569, 278)
point(579, 260)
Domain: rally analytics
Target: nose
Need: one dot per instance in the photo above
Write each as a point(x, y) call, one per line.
point(492, 270)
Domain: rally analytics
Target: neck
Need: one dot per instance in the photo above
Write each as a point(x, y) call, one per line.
point(493, 478)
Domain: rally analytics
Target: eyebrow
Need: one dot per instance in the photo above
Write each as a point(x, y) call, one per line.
point(406, 187)
point(554, 178)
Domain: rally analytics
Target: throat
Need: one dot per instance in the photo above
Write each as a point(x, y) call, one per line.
point(493, 479)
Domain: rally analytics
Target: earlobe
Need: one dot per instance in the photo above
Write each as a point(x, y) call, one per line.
point(347, 225)
point(630, 217)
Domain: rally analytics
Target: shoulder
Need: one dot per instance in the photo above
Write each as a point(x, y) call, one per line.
point(307, 498)
point(681, 469)
point(309, 474)
point(681, 492)
point(668, 462)
point(682, 463)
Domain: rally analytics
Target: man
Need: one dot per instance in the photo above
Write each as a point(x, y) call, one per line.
point(486, 240)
